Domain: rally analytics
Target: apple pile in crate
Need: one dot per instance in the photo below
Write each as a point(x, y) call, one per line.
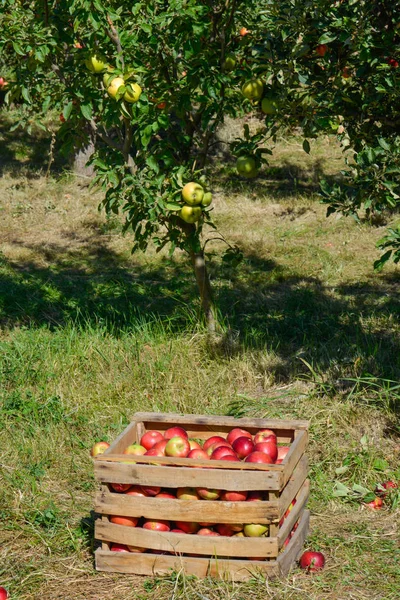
point(212, 495)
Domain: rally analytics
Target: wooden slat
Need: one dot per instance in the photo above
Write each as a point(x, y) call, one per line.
point(194, 544)
point(295, 453)
point(127, 437)
point(186, 510)
point(218, 421)
point(287, 559)
point(295, 513)
point(294, 484)
point(151, 564)
point(225, 479)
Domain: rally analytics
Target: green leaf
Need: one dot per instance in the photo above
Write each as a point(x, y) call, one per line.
point(380, 464)
point(86, 110)
point(306, 146)
point(360, 489)
point(341, 470)
point(326, 38)
point(67, 110)
point(173, 206)
point(341, 490)
point(383, 144)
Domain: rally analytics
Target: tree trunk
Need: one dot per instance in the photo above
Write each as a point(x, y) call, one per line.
point(82, 154)
point(204, 285)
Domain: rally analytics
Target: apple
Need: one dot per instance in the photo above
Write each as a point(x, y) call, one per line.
point(187, 526)
point(208, 493)
point(229, 62)
point(161, 105)
point(3, 82)
point(120, 487)
point(243, 31)
point(207, 532)
point(127, 521)
point(228, 496)
point(230, 458)
point(255, 496)
point(194, 445)
point(263, 435)
point(150, 490)
point(192, 193)
point(154, 452)
point(212, 440)
point(177, 531)
point(150, 439)
point(382, 489)
point(118, 548)
point(95, 64)
point(253, 89)
point(346, 73)
point(290, 507)
point(99, 448)
point(312, 561)
point(246, 167)
point(282, 451)
point(243, 446)
point(136, 490)
point(321, 49)
point(178, 447)
point(114, 86)
point(78, 45)
point(224, 529)
point(187, 493)
point(133, 92)
point(198, 453)
point(269, 105)
point(269, 448)
point(375, 504)
point(166, 495)
point(135, 449)
point(190, 214)
point(207, 199)
point(221, 451)
point(392, 62)
point(216, 445)
point(206, 524)
point(136, 549)
point(175, 431)
point(259, 457)
point(153, 525)
point(160, 446)
point(3, 593)
point(255, 530)
point(62, 118)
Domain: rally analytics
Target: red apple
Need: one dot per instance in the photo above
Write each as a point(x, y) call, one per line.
point(136, 490)
point(221, 451)
point(375, 504)
point(99, 448)
point(166, 495)
point(263, 435)
point(153, 525)
point(255, 529)
point(290, 507)
point(230, 458)
point(208, 493)
point(3, 592)
point(154, 452)
point(160, 446)
point(259, 457)
point(135, 449)
point(127, 521)
point(150, 438)
point(117, 548)
point(175, 432)
point(392, 62)
point(236, 433)
point(194, 445)
point(282, 451)
point(255, 496)
point(279, 461)
point(206, 524)
point(224, 529)
point(177, 531)
point(218, 444)
point(207, 532)
point(212, 440)
point(312, 561)
point(120, 487)
point(3, 83)
point(243, 446)
point(177, 447)
point(382, 489)
point(187, 493)
point(269, 448)
point(151, 490)
point(62, 118)
point(234, 496)
point(187, 526)
point(321, 49)
point(136, 549)
point(198, 453)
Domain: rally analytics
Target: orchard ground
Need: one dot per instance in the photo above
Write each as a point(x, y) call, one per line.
point(90, 334)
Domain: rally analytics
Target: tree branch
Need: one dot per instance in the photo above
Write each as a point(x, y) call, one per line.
point(114, 37)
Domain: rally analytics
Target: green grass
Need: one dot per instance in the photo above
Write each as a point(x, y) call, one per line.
point(90, 334)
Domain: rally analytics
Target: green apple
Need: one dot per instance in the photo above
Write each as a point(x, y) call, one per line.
point(253, 89)
point(229, 62)
point(192, 193)
point(207, 199)
point(269, 105)
point(190, 214)
point(255, 530)
point(246, 166)
point(114, 86)
point(133, 91)
point(95, 64)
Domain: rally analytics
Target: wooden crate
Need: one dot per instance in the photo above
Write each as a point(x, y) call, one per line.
point(235, 558)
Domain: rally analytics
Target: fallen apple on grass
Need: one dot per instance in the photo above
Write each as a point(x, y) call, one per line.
point(99, 448)
point(312, 561)
point(375, 504)
point(382, 489)
point(3, 593)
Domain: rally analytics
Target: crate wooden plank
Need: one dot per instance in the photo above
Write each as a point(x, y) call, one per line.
point(295, 482)
point(296, 451)
point(295, 513)
point(152, 565)
point(286, 560)
point(110, 503)
point(127, 437)
point(194, 544)
point(150, 475)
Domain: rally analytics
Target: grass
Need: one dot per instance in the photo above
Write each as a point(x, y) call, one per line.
point(90, 334)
